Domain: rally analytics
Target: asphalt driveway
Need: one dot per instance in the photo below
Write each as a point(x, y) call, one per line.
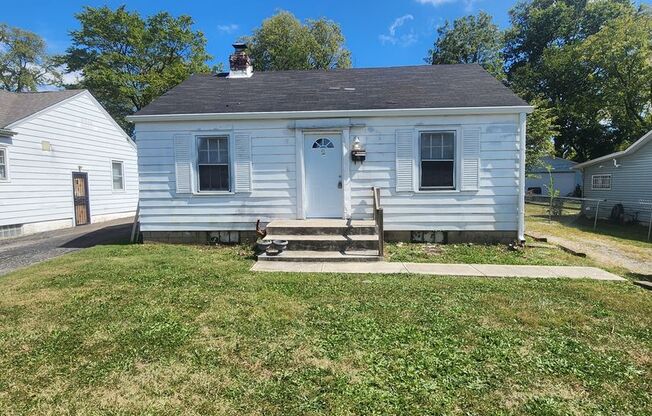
point(24, 251)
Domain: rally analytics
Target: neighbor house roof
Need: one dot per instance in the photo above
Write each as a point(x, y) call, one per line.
point(631, 149)
point(16, 106)
point(408, 87)
point(557, 164)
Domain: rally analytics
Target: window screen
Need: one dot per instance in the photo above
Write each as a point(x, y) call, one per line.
point(213, 164)
point(437, 160)
point(118, 176)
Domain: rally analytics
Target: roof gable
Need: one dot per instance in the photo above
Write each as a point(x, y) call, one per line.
point(17, 106)
point(410, 87)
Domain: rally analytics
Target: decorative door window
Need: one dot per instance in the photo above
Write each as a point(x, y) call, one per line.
point(323, 144)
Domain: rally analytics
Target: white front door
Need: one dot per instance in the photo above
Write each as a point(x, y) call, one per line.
point(323, 166)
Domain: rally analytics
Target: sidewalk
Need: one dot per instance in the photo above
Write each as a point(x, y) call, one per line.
point(437, 269)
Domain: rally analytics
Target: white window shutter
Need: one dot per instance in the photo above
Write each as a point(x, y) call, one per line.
point(242, 162)
point(470, 159)
point(404, 160)
point(183, 163)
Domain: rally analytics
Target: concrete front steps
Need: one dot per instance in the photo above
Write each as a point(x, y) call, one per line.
point(324, 240)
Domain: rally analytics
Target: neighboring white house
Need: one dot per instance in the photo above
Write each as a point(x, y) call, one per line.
point(565, 179)
point(621, 178)
point(63, 162)
point(444, 143)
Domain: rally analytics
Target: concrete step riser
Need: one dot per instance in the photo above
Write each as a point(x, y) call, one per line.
point(321, 231)
point(308, 245)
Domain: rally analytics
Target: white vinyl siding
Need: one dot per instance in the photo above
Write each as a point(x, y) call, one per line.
point(437, 160)
point(213, 164)
point(39, 192)
point(117, 172)
point(631, 185)
point(601, 182)
point(269, 169)
point(4, 165)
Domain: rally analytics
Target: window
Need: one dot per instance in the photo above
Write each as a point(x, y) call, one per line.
point(437, 160)
point(323, 144)
point(213, 164)
point(601, 182)
point(117, 172)
point(3, 164)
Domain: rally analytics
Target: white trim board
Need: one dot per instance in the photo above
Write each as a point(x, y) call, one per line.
point(332, 113)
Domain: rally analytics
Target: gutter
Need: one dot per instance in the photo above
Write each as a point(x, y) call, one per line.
point(522, 124)
point(525, 109)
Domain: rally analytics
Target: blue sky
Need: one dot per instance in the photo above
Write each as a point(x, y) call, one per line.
point(378, 33)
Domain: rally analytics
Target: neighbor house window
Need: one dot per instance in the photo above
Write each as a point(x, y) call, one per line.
point(213, 164)
point(117, 171)
point(437, 160)
point(3, 164)
point(601, 182)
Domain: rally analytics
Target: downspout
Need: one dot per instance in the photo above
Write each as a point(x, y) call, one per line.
point(521, 183)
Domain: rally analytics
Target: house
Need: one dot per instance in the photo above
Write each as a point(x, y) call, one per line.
point(620, 178)
point(63, 162)
point(444, 144)
point(564, 177)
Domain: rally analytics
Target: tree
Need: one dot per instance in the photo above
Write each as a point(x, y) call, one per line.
point(470, 39)
point(126, 60)
point(619, 58)
point(541, 130)
point(547, 57)
point(283, 42)
point(24, 63)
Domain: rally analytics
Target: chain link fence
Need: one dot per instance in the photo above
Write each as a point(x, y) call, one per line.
point(627, 219)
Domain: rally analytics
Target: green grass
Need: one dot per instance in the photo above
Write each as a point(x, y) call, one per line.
point(482, 254)
point(161, 329)
point(571, 225)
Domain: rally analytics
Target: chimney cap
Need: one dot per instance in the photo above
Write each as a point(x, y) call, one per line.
point(239, 46)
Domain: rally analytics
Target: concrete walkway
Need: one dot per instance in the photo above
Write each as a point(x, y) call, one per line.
point(436, 269)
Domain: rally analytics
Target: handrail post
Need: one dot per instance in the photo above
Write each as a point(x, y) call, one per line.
point(379, 221)
point(597, 212)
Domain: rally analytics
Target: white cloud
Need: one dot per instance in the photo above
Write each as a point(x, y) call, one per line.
point(72, 77)
point(435, 2)
point(393, 35)
point(229, 28)
point(468, 4)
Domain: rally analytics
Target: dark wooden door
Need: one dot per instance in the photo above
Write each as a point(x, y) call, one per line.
point(80, 198)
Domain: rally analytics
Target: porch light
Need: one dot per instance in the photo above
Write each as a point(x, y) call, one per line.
point(358, 153)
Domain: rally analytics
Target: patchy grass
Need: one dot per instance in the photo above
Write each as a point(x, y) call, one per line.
point(482, 254)
point(571, 226)
point(162, 329)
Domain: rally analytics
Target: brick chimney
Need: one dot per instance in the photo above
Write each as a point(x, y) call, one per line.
point(240, 63)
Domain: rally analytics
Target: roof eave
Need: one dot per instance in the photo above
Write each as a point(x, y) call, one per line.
point(333, 113)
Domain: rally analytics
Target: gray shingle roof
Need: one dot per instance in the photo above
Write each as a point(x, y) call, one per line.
point(424, 86)
point(16, 106)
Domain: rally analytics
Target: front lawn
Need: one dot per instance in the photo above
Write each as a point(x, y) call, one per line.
point(162, 329)
point(533, 253)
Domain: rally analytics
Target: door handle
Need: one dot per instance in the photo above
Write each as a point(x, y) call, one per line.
point(339, 185)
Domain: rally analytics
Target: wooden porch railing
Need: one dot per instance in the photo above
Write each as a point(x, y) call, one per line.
point(378, 219)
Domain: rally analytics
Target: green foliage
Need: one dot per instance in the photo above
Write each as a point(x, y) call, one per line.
point(470, 39)
point(587, 60)
point(24, 63)
point(541, 129)
point(163, 329)
point(126, 60)
point(283, 42)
